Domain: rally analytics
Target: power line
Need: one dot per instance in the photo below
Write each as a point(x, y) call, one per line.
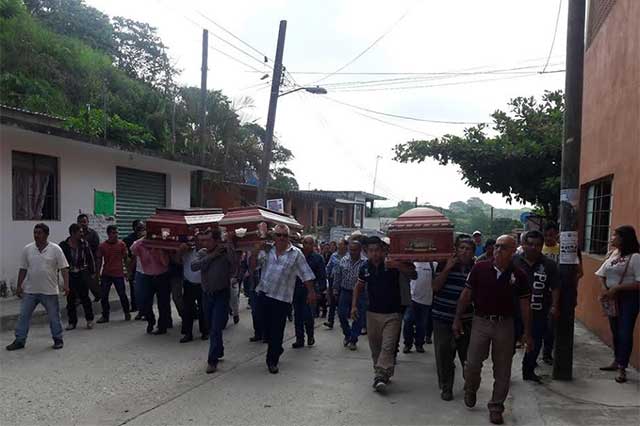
point(233, 35)
point(395, 125)
point(359, 55)
point(234, 58)
point(398, 116)
point(555, 33)
point(453, 83)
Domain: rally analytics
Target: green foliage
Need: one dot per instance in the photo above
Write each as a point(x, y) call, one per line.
point(11, 8)
point(521, 162)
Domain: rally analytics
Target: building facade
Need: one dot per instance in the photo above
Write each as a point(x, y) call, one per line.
point(50, 175)
point(610, 156)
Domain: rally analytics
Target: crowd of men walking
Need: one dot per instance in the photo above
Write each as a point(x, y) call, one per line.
point(487, 299)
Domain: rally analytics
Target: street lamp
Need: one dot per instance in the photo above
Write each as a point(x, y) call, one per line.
point(316, 90)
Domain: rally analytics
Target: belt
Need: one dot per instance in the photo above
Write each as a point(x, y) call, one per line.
point(495, 318)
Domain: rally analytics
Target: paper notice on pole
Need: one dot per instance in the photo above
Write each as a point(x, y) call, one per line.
point(569, 248)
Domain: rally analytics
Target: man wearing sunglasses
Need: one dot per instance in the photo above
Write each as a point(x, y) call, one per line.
point(281, 264)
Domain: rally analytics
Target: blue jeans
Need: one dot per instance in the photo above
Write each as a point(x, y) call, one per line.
point(303, 317)
point(351, 331)
point(622, 326)
point(216, 308)
point(28, 305)
point(417, 319)
point(539, 327)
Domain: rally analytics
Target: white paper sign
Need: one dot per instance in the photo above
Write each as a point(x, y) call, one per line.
point(569, 248)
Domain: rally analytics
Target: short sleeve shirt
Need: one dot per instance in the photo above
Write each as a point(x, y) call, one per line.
point(613, 268)
point(113, 256)
point(421, 287)
point(494, 292)
point(552, 252)
point(542, 277)
point(42, 268)
point(279, 273)
point(383, 288)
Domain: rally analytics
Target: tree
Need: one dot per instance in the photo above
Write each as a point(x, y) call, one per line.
point(521, 162)
point(140, 53)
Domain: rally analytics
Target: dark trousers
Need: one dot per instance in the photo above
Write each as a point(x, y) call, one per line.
point(118, 282)
point(622, 326)
point(275, 318)
point(417, 321)
point(539, 328)
point(256, 314)
point(216, 306)
point(193, 308)
point(549, 339)
point(303, 317)
point(132, 295)
point(351, 331)
point(446, 346)
point(333, 305)
point(159, 286)
point(79, 289)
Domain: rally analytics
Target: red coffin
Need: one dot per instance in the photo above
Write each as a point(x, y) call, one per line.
point(169, 228)
point(249, 218)
point(421, 235)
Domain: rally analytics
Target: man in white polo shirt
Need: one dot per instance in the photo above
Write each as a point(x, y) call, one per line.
point(38, 283)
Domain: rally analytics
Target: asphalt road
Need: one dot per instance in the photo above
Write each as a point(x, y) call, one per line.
point(116, 374)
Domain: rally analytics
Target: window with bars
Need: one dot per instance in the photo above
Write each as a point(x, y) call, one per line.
point(35, 194)
point(598, 216)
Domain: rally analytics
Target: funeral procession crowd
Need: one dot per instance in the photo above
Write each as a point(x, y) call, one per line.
point(489, 298)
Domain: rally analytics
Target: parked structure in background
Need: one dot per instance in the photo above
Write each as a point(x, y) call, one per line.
point(609, 173)
point(48, 174)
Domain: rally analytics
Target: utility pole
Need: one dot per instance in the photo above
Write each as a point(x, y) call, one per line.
point(569, 195)
point(375, 174)
point(203, 92)
point(271, 118)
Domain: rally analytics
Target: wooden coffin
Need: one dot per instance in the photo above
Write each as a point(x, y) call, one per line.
point(248, 225)
point(421, 235)
point(169, 228)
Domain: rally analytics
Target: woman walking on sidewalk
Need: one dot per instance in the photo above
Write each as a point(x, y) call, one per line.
point(620, 278)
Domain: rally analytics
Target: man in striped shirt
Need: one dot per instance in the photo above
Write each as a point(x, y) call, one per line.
point(447, 287)
point(281, 265)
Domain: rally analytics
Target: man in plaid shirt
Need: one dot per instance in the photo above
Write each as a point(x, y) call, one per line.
point(281, 265)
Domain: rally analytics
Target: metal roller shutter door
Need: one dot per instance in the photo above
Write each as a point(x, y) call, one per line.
point(138, 193)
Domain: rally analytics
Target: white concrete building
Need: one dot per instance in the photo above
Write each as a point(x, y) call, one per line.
point(49, 175)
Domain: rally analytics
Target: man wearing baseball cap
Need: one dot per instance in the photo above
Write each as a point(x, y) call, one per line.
point(477, 238)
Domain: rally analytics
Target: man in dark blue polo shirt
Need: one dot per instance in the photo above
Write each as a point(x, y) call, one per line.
point(381, 278)
point(302, 312)
point(491, 287)
point(544, 282)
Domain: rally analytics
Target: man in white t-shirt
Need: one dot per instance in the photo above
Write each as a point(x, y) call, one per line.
point(40, 263)
point(417, 318)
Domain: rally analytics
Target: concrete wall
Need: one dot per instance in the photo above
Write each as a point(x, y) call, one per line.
point(82, 167)
point(611, 140)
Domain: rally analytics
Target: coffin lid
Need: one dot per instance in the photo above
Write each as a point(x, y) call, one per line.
point(244, 215)
point(420, 218)
point(187, 216)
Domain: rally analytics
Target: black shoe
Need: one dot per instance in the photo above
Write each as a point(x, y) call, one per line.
point(102, 320)
point(470, 399)
point(311, 341)
point(186, 338)
point(548, 359)
point(159, 331)
point(273, 369)
point(379, 385)
point(204, 336)
point(533, 377)
point(298, 344)
point(496, 418)
point(236, 319)
point(420, 348)
point(58, 344)
point(96, 299)
point(446, 395)
point(212, 368)
point(15, 346)
point(428, 341)
point(150, 328)
point(139, 317)
point(406, 349)
point(70, 327)
point(329, 325)
point(127, 316)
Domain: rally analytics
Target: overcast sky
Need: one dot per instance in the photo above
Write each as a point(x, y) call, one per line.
point(335, 146)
